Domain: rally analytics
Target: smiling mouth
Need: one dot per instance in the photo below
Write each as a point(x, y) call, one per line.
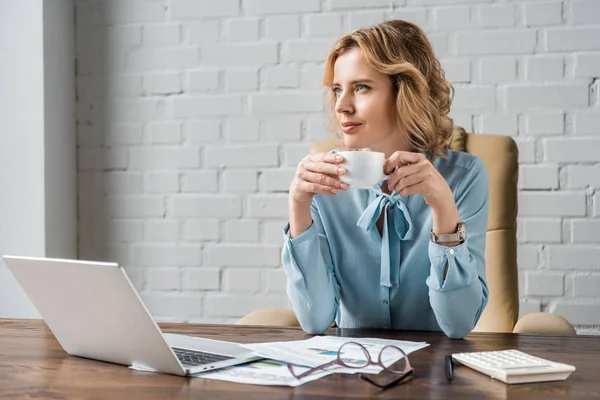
point(348, 127)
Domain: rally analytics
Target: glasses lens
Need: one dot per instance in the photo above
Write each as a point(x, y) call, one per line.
point(393, 359)
point(353, 355)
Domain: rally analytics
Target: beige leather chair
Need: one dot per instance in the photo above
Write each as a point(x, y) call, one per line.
point(500, 155)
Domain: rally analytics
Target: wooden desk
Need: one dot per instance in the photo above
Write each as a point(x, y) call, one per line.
point(33, 365)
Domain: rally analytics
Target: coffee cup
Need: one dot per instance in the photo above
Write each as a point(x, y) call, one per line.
point(364, 169)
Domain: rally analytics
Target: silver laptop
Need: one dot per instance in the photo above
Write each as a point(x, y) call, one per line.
point(95, 312)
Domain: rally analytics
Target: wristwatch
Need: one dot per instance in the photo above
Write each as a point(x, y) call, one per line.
point(460, 235)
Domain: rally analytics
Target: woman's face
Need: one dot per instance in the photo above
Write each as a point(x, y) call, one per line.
point(365, 105)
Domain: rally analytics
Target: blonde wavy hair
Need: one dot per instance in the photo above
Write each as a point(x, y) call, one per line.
point(401, 50)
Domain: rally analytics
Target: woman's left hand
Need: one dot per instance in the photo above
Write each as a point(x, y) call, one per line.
point(416, 174)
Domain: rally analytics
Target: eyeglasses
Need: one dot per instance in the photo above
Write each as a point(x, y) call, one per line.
point(393, 361)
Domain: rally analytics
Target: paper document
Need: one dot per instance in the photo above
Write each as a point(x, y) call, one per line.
point(319, 350)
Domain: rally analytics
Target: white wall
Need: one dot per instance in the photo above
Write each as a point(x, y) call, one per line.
point(37, 139)
point(193, 115)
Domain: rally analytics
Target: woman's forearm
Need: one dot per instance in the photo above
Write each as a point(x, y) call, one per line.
point(300, 218)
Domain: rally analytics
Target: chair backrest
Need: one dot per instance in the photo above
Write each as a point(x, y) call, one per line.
point(500, 156)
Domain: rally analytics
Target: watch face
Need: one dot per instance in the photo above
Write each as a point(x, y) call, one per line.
point(462, 231)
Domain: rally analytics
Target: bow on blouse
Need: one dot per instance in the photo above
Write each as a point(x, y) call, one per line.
point(396, 219)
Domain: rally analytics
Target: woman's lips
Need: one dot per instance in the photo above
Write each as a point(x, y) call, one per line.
point(350, 127)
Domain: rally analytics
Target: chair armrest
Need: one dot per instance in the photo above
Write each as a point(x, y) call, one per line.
point(270, 317)
point(544, 323)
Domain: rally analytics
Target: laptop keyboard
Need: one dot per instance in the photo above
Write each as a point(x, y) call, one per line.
point(194, 358)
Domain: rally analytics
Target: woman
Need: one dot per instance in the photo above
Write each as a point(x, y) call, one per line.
point(379, 258)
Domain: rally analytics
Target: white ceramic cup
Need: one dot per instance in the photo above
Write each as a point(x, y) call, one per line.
point(364, 168)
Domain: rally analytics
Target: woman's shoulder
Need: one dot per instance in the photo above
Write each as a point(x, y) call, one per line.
point(459, 159)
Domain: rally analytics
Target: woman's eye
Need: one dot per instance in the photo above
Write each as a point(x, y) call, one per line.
point(336, 91)
point(362, 87)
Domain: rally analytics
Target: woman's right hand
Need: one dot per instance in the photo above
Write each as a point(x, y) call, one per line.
point(317, 173)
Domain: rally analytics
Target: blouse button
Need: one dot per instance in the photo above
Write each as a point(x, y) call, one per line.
point(451, 251)
point(385, 302)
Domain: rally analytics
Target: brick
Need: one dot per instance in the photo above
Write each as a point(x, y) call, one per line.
point(123, 37)
point(166, 279)
point(242, 230)
point(240, 55)
point(585, 231)
point(162, 182)
point(497, 69)
point(474, 98)
point(544, 68)
point(500, 123)
point(168, 132)
point(457, 70)
point(585, 12)
point(238, 306)
point(126, 85)
point(282, 27)
point(268, 7)
point(357, 20)
point(311, 76)
point(200, 279)
point(283, 128)
point(462, 119)
point(138, 110)
point(316, 129)
point(579, 314)
point(241, 255)
point(240, 181)
point(120, 182)
point(162, 83)
point(197, 9)
point(241, 79)
point(547, 123)
point(276, 281)
point(516, 41)
point(542, 13)
point(273, 231)
point(163, 58)
point(268, 206)
point(120, 254)
point(572, 39)
point(164, 304)
point(276, 103)
point(243, 129)
point(241, 280)
point(243, 29)
point(418, 16)
point(552, 204)
point(542, 230)
point(162, 255)
point(201, 132)
point(586, 122)
point(202, 81)
point(528, 307)
point(204, 181)
point(208, 206)
point(122, 12)
point(306, 50)
point(247, 156)
point(161, 230)
point(574, 257)
point(451, 18)
point(201, 230)
point(538, 177)
point(572, 150)
point(544, 284)
point(202, 32)
point(557, 95)
point(440, 43)
point(161, 35)
point(597, 205)
point(580, 177)
point(496, 16)
point(294, 153)
point(350, 4)
point(281, 76)
point(167, 158)
point(586, 285)
point(587, 65)
point(278, 180)
point(528, 256)
point(220, 105)
point(324, 25)
point(135, 206)
point(122, 231)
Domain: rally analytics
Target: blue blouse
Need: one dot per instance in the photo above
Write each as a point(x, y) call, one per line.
point(342, 269)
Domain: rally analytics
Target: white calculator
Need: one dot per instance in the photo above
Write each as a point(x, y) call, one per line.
point(514, 366)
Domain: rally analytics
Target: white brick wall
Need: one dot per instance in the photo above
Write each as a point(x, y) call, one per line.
point(192, 116)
